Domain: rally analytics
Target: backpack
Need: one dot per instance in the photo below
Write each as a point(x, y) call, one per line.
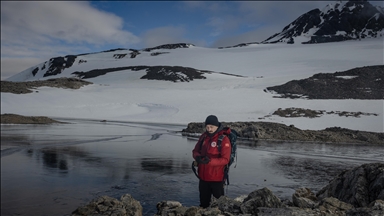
point(232, 139)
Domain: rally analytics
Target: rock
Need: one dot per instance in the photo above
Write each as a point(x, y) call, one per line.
point(227, 205)
point(19, 119)
point(289, 211)
point(350, 84)
point(25, 87)
point(359, 186)
point(110, 206)
point(260, 198)
point(275, 131)
point(263, 202)
point(170, 208)
point(304, 198)
point(170, 46)
point(334, 205)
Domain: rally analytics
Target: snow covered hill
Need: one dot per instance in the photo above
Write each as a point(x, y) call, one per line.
point(339, 21)
point(233, 86)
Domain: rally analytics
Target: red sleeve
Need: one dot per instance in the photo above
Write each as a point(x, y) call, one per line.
point(225, 154)
point(196, 150)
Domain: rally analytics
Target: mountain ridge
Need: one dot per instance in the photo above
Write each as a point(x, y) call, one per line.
point(352, 20)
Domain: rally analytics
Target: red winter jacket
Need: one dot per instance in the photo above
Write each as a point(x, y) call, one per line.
point(214, 170)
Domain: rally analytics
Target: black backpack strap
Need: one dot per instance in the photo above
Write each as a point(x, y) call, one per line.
point(226, 169)
point(221, 137)
point(194, 169)
point(226, 176)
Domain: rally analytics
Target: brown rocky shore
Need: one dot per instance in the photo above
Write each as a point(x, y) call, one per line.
point(280, 132)
point(358, 191)
point(19, 119)
point(30, 86)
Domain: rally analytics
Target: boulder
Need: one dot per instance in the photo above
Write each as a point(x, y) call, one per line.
point(227, 205)
point(334, 205)
point(304, 198)
point(359, 186)
point(260, 198)
point(104, 205)
point(165, 208)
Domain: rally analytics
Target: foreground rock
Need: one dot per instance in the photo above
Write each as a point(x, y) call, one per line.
point(366, 184)
point(354, 192)
point(276, 131)
point(110, 206)
point(19, 119)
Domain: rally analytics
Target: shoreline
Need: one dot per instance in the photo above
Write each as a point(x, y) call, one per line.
point(248, 131)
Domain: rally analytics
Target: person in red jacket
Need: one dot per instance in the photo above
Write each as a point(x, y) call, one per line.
point(210, 161)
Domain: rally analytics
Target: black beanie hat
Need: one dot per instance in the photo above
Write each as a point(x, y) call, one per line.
point(212, 120)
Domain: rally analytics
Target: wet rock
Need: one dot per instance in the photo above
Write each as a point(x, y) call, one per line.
point(359, 186)
point(110, 206)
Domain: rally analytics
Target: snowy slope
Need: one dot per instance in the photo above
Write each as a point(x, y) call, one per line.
point(338, 21)
point(123, 96)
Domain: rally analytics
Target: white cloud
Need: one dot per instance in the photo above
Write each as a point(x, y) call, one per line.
point(45, 29)
point(222, 25)
point(72, 22)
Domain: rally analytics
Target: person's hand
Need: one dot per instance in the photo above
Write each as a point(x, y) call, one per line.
point(203, 159)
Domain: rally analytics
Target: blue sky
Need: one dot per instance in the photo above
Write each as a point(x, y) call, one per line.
point(34, 31)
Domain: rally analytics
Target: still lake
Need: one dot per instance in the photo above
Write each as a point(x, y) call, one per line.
point(53, 169)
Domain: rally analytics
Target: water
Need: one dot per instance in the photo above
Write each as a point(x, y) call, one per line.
point(53, 169)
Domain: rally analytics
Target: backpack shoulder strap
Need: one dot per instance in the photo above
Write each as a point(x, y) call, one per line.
point(202, 138)
point(221, 137)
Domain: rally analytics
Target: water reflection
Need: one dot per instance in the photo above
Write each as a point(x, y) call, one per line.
point(52, 159)
point(64, 166)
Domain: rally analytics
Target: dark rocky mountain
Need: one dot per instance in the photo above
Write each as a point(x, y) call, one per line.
point(358, 83)
point(338, 21)
point(57, 64)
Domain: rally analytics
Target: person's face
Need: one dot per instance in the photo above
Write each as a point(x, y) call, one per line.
point(211, 128)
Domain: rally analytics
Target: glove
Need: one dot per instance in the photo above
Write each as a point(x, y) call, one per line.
point(203, 159)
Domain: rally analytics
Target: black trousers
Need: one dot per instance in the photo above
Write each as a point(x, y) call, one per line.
point(207, 189)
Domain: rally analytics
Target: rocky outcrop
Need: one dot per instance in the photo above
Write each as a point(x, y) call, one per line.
point(358, 83)
point(359, 186)
point(276, 131)
point(169, 46)
point(27, 87)
point(58, 64)
point(263, 202)
point(166, 73)
point(338, 21)
point(126, 206)
point(19, 119)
